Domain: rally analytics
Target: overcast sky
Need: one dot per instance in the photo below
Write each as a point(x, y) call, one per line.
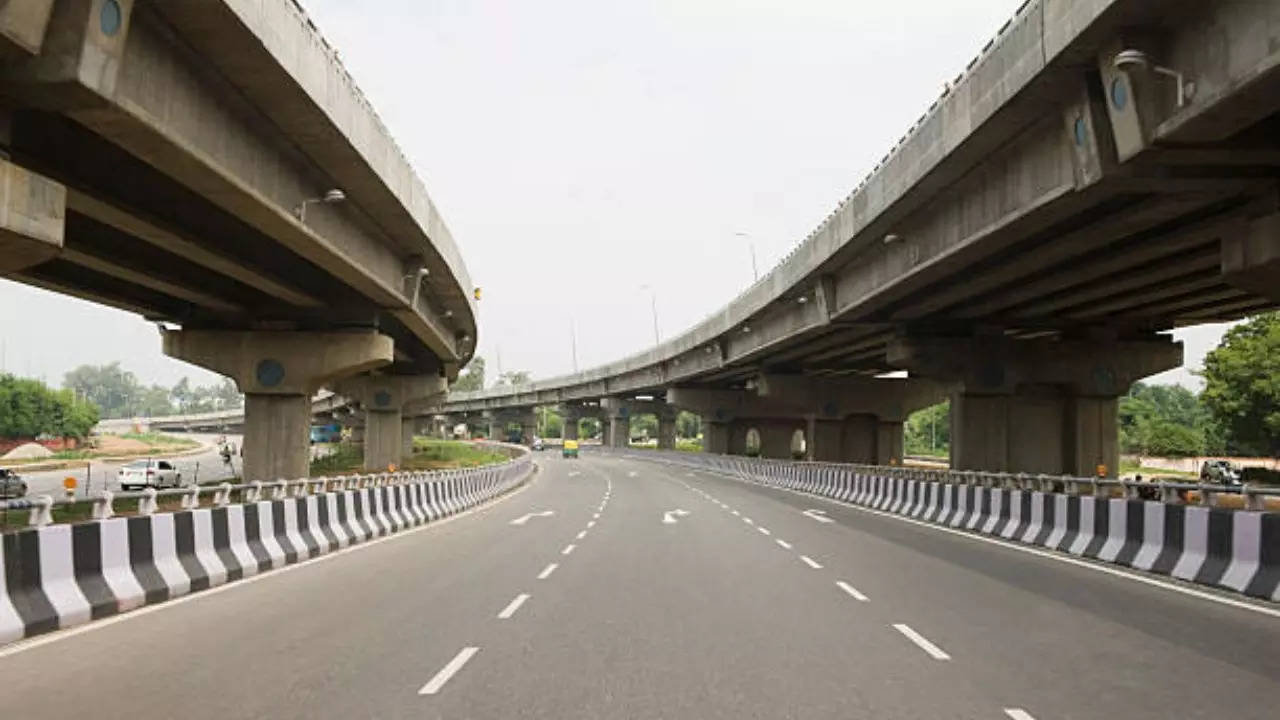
point(583, 149)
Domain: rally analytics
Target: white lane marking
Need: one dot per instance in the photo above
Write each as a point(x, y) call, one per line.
point(41, 640)
point(819, 515)
point(921, 641)
point(689, 475)
point(546, 571)
point(851, 590)
point(1018, 714)
point(811, 562)
point(568, 549)
point(582, 534)
point(631, 473)
point(1097, 567)
point(783, 543)
point(748, 521)
point(513, 606)
point(591, 523)
point(668, 519)
point(595, 516)
point(763, 530)
point(525, 518)
point(735, 512)
point(434, 684)
point(574, 473)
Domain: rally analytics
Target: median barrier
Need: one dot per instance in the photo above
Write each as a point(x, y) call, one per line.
point(1209, 543)
point(60, 576)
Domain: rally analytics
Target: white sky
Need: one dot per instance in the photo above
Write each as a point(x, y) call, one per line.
point(582, 149)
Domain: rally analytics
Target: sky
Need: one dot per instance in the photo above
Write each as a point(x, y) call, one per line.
point(595, 160)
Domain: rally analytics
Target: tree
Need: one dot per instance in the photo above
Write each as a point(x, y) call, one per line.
point(552, 423)
point(928, 431)
point(644, 425)
point(1242, 384)
point(154, 402)
point(472, 378)
point(182, 395)
point(1164, 420)
point(514, 378)
point(114, 390)
point(688, 425)
point(29, 408)
point(227, 396)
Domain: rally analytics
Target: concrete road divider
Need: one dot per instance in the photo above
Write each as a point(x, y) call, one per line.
point(1237, 550)
point(60, 576)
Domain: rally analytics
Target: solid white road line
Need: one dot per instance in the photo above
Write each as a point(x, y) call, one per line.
point(582, 534)
point(568, 549)
point(1018, 714)
point(811, 562)
point(921, 641)
point(764, 530)
point(546, 571)
point(513, 606)
point(434, 684)
point(851, 590)
point(783, 543)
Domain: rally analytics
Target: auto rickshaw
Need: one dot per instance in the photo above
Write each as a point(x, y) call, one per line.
point(570, 449)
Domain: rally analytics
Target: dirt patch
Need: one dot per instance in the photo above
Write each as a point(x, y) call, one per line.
point(114, 444)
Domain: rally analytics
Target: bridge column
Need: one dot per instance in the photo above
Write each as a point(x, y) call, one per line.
point(528, 426)
point(618, 412)
point(278, 371)
point(572, 415)
point(667, 430)
point(384, 398)
point(1041, 406)
point(715, 436)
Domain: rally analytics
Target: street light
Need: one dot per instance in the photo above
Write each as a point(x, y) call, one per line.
point(653, 305)
point(755, 273)
point(330, 197)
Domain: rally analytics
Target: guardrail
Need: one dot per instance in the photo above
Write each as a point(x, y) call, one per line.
point(58, 575)
point(1236, 549)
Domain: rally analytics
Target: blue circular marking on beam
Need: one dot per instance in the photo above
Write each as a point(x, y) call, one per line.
point(269, 372)
point(1081, 131)
point(110, 17)
point(1119, 93)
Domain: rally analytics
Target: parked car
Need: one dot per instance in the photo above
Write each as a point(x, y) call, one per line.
point(570, 449)
point(11, 485)
point(538, 444)
point(1220, 472)
point(149, 473)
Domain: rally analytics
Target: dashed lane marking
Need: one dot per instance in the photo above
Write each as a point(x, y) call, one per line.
point(546, 571)
point(513, 606)
point(448, 671)
point(921, 641)
point(811, 562)
point(568, 549)
point(783, 543)
point(853, 592)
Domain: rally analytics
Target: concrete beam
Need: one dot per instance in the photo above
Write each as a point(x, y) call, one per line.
point(33, 211)
point(886, 398)
point(23, 25)
point(1251, 260)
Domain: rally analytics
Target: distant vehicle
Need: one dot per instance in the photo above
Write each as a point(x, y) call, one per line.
point(1220, 472)
point(570, 449)
point(149, 473)
point(11, 484)
point(330, 433)
point(538, 444)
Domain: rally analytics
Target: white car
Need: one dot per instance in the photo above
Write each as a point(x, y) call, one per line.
point(149, 473)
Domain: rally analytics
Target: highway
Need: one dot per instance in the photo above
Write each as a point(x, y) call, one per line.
point(614, 588)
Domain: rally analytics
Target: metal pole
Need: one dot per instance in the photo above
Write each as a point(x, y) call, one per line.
point(573, 342)
point(755, 272)
point(653, 305)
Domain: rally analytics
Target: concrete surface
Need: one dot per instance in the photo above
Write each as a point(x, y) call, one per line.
point(744, 606)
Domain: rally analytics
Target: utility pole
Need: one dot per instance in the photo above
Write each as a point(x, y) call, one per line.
point(755, 272)
point(573, 343)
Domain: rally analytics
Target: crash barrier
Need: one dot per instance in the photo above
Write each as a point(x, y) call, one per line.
point(1236, 550)
point(59, 576)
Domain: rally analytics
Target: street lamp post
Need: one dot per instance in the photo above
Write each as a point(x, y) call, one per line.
point(329, 198)
point(755, 272)
point(653, 306)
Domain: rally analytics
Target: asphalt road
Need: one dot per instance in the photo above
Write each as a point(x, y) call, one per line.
point(197, 467)
point(742, 606)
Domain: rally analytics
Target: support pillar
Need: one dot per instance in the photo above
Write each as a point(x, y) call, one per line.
point(278, 372)
point(385, 398)
point(888, 442)
point(406, 437)
point(528, 427)
point(620, 431)
point(715, 437)
point(570, 431)
point(666, 431)
point(1038, 406)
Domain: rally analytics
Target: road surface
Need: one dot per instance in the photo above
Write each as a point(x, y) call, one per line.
point(628, 589)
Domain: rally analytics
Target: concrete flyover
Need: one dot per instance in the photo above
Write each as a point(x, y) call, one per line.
point(1102, 172)
point(210, 165)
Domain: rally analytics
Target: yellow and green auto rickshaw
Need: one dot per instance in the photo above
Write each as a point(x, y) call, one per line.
point(570, 449)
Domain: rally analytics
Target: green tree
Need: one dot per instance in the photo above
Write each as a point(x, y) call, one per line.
point(688, 425)
point(227, 396)
point(644, 425)
point(928, 431)
point(552, 423)
point(472, 378)
point(1242, 385)
point(1166, 420)
point(29, 408)
point(154, 401)
point(114, 390)
point(589, 427)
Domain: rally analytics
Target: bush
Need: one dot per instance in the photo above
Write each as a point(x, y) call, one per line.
point(29, 408)
point(1260, 476)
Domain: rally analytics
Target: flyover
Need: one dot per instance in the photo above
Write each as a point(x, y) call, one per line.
point(1102, 172)
point(211, 166)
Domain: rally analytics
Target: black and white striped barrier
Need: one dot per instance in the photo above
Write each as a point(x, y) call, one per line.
point(59, 576)
point(1236, 550)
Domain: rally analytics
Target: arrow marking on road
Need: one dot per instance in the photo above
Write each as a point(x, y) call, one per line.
point(668, 519)
point(819, 515)
point(525, 518)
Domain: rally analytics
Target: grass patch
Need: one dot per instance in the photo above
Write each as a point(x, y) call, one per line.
point(1128, 466)
point(688, 445)
point(428, 454)
point(158, 439)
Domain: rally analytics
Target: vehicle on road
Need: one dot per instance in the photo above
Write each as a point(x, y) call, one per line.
point(149, 473)
point(538, 444)
point(330, 433)
point(1220, 472)
point(569, 449)
point(11, 484)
